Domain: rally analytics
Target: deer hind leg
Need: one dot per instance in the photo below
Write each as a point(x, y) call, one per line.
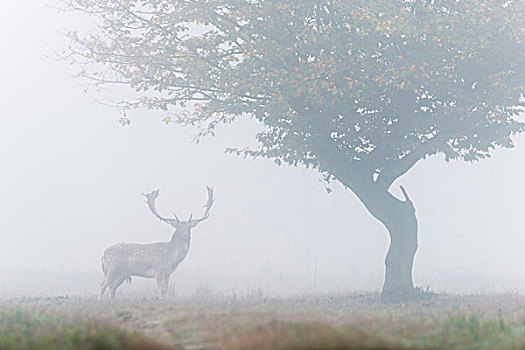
point(111, 276)
point(115, 284)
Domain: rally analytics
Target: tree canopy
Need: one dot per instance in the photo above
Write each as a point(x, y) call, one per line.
point(376, 85)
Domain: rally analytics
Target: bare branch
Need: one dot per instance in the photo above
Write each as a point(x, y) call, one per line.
point(405, 194)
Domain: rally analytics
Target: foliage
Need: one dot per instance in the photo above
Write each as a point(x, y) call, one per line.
point(356, 89)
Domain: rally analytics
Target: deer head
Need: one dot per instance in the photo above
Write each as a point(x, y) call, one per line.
point(181, 226)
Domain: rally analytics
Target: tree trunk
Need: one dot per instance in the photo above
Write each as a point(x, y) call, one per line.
point(400, 220)
point(402, 228)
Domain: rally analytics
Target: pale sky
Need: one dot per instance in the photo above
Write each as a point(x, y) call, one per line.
point(71, 178)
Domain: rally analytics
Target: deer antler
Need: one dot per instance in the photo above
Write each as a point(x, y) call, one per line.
point(150, 199)
point(208, 205)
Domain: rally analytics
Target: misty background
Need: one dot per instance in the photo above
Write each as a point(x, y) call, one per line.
point(71, 178)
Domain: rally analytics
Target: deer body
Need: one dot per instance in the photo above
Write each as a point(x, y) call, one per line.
point(154, 260)
point(145, 260)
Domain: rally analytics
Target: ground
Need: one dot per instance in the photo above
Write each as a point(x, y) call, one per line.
point(254, 321)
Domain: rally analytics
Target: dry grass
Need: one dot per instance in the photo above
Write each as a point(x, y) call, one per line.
point(327, 322)
point(298, 336)
point(23, 328)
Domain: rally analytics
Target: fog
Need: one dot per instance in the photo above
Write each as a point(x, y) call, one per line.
point(71, 181)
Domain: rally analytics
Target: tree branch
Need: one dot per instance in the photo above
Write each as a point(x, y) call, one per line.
point(393, 169)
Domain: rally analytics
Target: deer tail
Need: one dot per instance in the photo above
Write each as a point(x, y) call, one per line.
point(103, 265)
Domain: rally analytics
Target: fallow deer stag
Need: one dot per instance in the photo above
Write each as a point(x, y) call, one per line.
point(154, 260)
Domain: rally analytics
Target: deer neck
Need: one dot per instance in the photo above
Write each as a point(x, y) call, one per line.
point(179, 240)
point(178, 248)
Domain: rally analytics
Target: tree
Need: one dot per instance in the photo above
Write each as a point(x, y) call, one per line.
point(360, 90)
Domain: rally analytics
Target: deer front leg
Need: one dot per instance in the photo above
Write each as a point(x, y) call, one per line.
point(166, 282)
point(161, 284)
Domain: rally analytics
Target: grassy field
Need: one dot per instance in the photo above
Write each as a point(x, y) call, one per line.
point(256, 322)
